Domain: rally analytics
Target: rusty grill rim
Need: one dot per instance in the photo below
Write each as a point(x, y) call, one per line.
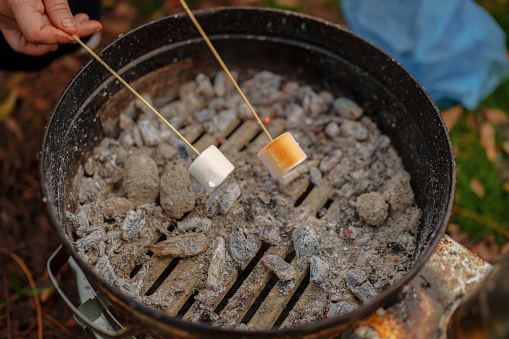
point(325, 325)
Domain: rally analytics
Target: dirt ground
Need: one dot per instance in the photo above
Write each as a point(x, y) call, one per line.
point(26, 237)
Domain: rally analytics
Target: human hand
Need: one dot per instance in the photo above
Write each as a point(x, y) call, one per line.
point(35, 27)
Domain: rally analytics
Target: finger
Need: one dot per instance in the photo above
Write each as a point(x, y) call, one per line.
point(19, 44)
point(86, 26)
point(34, 24)
point(60, 15)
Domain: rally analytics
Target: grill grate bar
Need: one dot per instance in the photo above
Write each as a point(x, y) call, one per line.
point(209, 139)
point(150, 271)
point(241, 301)
point(316, 198)
point(293, 301)
point(176, 289)
point(312, 297)
point(193, 132)
point(276, 301)
point(240, 137)
point(297, 189)
point(303, 196)
point(160, 279)
point(138, 250)
point(194, 312)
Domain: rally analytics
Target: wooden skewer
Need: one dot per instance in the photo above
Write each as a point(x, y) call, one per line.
point(134, 92)
point(213, 50)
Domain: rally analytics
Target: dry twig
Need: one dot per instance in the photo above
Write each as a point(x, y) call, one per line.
point(25, 269)
point(483, 220)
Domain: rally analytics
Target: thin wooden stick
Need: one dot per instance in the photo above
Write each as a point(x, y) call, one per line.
point(213, 50)
point(134, 92)
point(57, 324)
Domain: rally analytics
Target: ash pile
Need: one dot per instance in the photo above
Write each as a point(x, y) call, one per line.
point(336, 231)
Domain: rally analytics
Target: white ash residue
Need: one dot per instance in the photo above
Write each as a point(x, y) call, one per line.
point(354, 232)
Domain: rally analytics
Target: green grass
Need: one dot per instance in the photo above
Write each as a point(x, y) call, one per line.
point(472, 163)
point(492, 209)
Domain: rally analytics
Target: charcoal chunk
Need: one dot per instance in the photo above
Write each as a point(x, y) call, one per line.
point(283, 270)
point(318, 270)
point(242, 245)
point(133, 224)
point(217, 264)
point(359, 285)
point(305, 242)
point(184, 245)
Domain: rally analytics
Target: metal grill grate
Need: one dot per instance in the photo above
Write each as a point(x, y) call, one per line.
point(252, 296)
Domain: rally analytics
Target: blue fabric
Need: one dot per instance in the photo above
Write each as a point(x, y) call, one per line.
point(454, 48)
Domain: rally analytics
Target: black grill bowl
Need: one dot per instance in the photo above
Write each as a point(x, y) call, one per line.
point(160, 56)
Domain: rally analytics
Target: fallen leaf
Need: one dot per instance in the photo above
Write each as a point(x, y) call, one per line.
point(495, 116)
point(13, 127)
point(505, 186)
point(487, 249)
point(505, 248)
point(477, 188)
point(8, 106)
point(505, 146)
point(487, 134)
point(452, 115)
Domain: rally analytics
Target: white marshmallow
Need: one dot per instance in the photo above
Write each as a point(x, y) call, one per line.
point(210, 168)
point(281, 155)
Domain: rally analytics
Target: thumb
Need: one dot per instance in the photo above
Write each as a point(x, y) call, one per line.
point(60, 15)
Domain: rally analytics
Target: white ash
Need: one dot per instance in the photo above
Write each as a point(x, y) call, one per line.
point(283, 270)
point(176, 182)
point(360, 285)
point(133, 224)
point(398, 193)
point(115, 207)
point(318, 270)
point(347, 108)
point(217, 263)
point(141, 180)
point(242, 245)
point(372, 208)
point(195, 224)
point(143, 173)
point(305, 242)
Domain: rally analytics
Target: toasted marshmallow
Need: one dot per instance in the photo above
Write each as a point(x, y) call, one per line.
point(281, 155)
point(210, 168)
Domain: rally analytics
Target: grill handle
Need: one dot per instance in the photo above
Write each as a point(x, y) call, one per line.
point(55, 263)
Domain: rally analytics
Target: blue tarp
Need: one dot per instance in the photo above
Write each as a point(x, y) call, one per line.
point(454, 48)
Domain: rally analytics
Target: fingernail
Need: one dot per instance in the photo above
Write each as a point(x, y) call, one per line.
point(68, 23)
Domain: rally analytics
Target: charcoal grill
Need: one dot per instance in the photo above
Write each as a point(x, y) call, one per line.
point(156, 59)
